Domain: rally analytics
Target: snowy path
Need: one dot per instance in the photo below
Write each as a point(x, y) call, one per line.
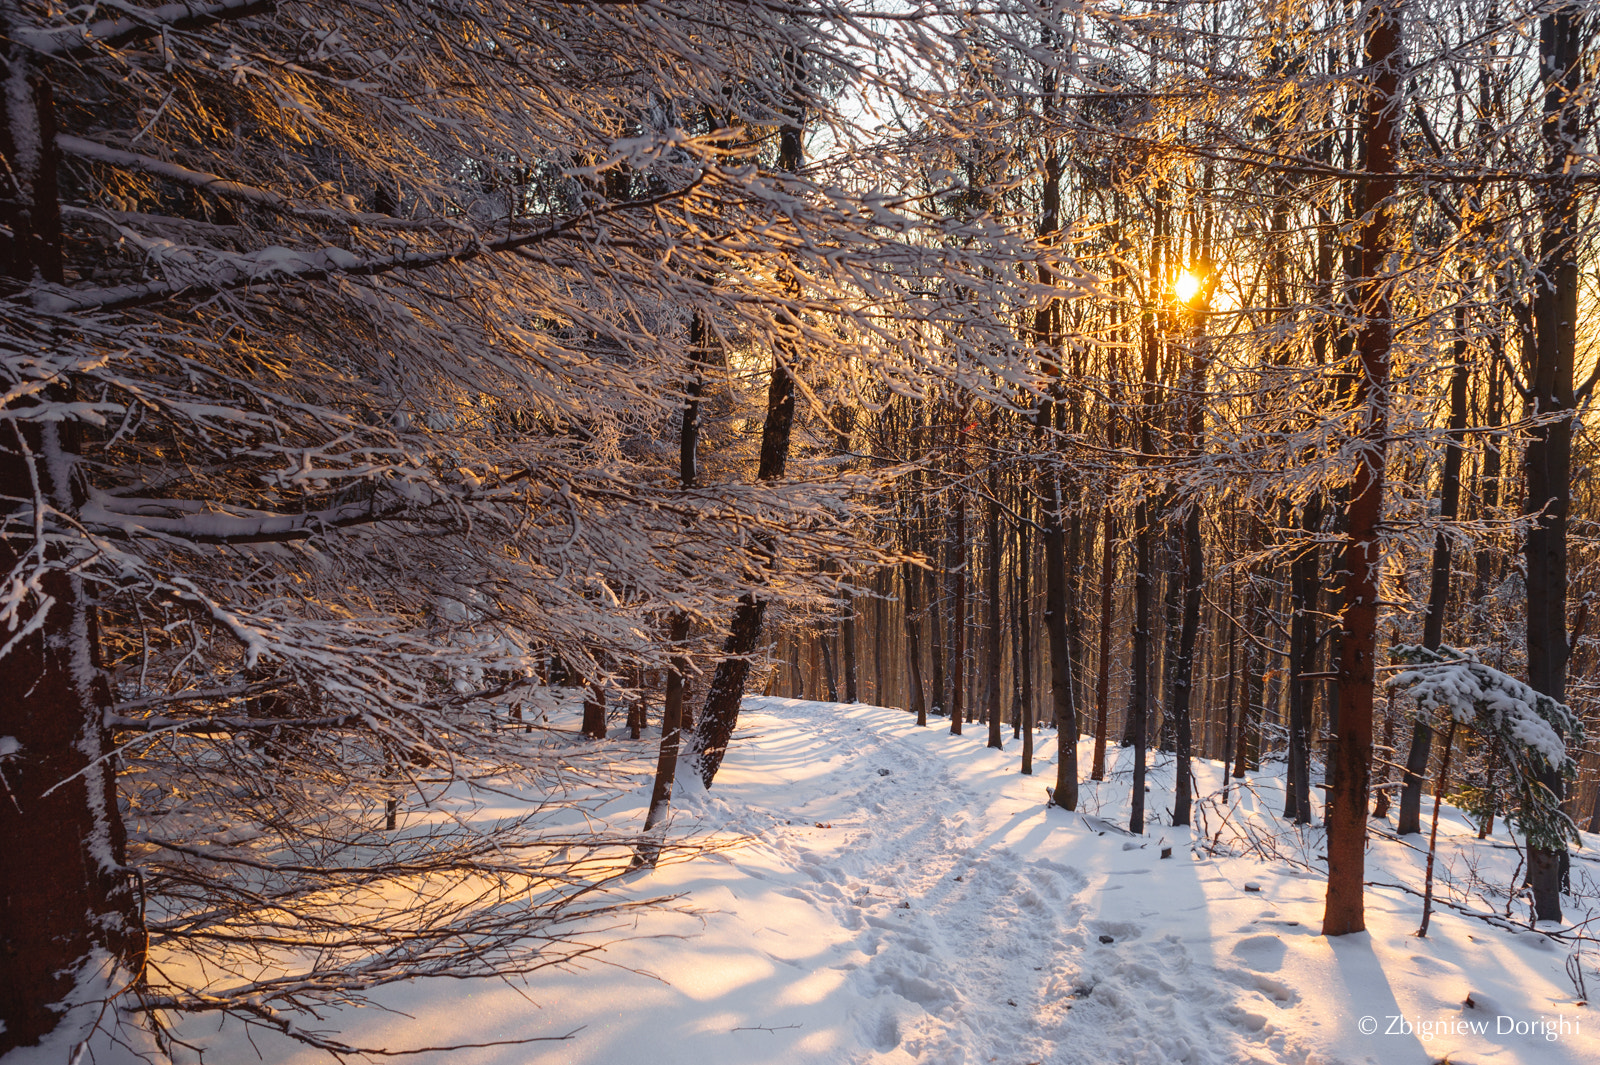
point(903, 895)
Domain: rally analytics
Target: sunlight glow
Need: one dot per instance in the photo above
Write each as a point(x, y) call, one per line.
point(1187, 286)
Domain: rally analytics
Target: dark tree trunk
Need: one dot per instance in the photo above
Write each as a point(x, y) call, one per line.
point(938, 580)
point(1548, 460)
point(1183, 681)
point(1025, 634)
point(671, 738)
point(69, 917)
point(720, 715)
point(847, 650)
point(1253, 698)
point(1064, 713)
point(992, 656)
point(911, 576)
point(1410, 818)
point(1352, 753)
point(1303, 578)
point(594, 711)
point(1231, 690)
point(828, 675)
point(958, 620)
point(1102, 683)
point(1139, 709)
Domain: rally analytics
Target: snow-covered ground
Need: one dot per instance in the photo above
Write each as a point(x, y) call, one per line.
point(903, 895)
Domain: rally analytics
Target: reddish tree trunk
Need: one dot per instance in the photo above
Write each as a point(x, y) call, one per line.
point(1344, 911)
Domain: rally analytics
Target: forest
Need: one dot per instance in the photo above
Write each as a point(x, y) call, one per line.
point(1210, 379)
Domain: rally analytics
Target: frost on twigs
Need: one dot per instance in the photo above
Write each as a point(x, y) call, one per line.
point(1532, 730)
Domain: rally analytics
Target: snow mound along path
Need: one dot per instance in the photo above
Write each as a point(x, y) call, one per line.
point(902, 895)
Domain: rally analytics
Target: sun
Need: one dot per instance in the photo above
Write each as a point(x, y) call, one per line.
point(1187, 286)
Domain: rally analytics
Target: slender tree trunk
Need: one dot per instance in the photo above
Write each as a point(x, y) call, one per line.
point(1102, 683)
point(1352, 755)
point(1064, 713)
point(938, 580)
point(992, 664)
point(1025, 632)
point(1183, 680)
point(671, 738)
point(1140, 702)
point(911, 577)
point(958, 623)
point(1193, 571)
point(1230, 690)
point(847, 650)
point(1302, 651)
point(1410, 818)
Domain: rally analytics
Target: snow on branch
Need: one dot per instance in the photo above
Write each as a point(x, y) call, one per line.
point(72, 42)
point(1534, 731)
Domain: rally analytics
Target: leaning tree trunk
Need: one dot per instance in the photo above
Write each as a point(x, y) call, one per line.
point(1344, 910)
point(672, 715)
point(720, 714)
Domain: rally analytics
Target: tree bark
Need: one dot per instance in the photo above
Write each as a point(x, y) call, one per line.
point(992, 663)
point(1410, 817)
point(958, 621)
point(720, 714)
point(1302, 651)
point(1344, 911)
point(1548, 459)
point(594, 711)
point(1183, 681)
point(1102, 683)
point(70, 922)
point(1064, 713)
point(911, 576)
point(1139, 716)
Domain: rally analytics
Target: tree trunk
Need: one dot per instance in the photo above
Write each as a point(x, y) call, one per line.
point(1025, 634)
point(594, 711)
point(671, 738)
point(1102, 683)
point(958, 621)
point(847, 650)
point(1064, 714)
point(911, 576)
point(1548, 460)
point(1410, 818)
point(721, 711)
point(1352, 755)
point(1303, 580)
point(1183, 681)
point(70, 923)
point(830, 677)
point(992, 664)
point(1139, 715)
